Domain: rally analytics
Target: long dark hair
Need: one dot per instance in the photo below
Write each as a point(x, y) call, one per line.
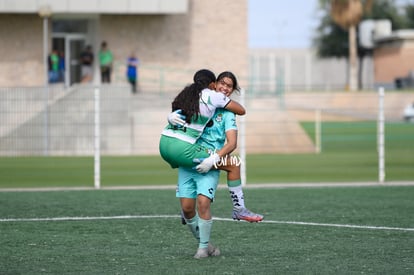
point(188, 99)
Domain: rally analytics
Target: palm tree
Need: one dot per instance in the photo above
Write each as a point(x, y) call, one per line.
point(347, 14)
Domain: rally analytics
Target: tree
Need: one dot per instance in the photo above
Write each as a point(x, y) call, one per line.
point(332, 40)
point(347, 14)
point(409, 10)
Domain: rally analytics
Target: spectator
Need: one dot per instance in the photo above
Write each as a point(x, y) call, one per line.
point(53, 61)
point(86, 64)
point(61, 66)
point(132, 72)
point(105, 62)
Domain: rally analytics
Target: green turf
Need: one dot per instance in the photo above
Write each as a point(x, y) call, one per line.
point(162, 245)
point(348, 154)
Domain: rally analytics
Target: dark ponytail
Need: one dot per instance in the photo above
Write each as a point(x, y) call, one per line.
point(188, 99)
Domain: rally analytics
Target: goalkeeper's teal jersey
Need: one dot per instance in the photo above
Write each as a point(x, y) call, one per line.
point(214, 137)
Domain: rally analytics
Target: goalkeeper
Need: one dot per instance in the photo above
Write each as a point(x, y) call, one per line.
point(192, 184)
point(214, 138)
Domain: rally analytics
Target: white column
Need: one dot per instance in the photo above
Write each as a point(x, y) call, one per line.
point(242, 137)
point(97, 137)
point(381, 151)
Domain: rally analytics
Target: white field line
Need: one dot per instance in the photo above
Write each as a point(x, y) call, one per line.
point(128, 217)
point(221, 186)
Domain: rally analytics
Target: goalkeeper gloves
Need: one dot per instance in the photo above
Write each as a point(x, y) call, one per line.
point(207, 163)
point(176, 118)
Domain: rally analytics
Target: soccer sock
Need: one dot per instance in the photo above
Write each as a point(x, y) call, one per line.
point(236, 194)
point(205, 231)
point(193, 225)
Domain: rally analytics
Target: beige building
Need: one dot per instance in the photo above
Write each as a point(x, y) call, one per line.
point(180, 34)
point(394, 58)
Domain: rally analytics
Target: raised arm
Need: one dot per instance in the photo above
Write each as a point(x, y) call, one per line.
point(235, 107)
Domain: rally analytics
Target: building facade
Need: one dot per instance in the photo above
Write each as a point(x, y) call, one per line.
point(394, 60)
point(182, 34)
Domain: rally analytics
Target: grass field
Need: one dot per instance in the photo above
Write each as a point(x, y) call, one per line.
point(353, 230)
point(348, 155)
point(320, 230)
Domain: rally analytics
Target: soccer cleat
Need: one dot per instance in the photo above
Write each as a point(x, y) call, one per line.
point(213, 250)
point(201, 253)
point(246, 215)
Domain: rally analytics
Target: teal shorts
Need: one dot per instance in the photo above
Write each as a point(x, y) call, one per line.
point(191, 183)
point(179, 153)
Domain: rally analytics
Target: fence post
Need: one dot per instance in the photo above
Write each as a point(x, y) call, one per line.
point(162, 80)
point(380, 132)
point(318, 132)
point(242, 140)
point(97, 139)
point(280, 89)
point(45, 15)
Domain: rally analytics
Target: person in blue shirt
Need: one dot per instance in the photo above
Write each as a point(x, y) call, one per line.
point(132, 72)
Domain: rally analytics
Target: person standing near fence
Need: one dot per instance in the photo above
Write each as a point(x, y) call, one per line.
point(62, 66)
point(86, 64)
point(132, 72)
point(53, 61)
point(105, 61)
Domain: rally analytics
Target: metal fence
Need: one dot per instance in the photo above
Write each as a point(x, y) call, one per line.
point(54, 121)
point(58, 121)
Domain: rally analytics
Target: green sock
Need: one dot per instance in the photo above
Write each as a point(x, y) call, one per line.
point(205, 231)
point(233, 183)
point(193, 225)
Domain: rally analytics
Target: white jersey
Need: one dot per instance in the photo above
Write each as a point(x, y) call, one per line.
point(209, 101)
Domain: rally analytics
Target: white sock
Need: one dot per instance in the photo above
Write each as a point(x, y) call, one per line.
point(237, 197)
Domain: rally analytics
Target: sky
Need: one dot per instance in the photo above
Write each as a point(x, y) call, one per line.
point(284, 23)
point(281, 23)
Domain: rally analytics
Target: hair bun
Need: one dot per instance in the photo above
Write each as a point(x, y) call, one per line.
point(204, 76)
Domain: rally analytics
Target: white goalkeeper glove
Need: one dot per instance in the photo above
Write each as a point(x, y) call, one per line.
point(207, 163)
point(176, 118)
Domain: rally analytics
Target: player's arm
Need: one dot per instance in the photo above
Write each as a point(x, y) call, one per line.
point(235, 107)
point(231, 143)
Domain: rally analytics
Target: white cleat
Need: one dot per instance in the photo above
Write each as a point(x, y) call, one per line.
point(213, 250)
point(246, 215)
point(201, 253)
